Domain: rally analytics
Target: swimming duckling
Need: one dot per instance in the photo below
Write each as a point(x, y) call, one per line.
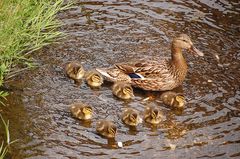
point(122, 90)
point(153, 115)
point(131, 117)
point(106, 128)
point(81, 111)
point(75, 71)
point(173, 99)
point(94, 79)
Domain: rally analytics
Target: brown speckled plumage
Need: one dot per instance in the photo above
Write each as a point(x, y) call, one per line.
point(160, 75)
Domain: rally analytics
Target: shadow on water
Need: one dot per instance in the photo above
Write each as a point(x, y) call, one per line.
point(103, 33)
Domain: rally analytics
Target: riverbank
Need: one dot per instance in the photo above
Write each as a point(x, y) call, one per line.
point(25, 26)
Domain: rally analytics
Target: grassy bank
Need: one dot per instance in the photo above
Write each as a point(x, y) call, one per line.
point(25, 26)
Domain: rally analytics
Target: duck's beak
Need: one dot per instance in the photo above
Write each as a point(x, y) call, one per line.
point(195, 51)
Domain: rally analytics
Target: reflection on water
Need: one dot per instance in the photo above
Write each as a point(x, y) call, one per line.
point(102, 33)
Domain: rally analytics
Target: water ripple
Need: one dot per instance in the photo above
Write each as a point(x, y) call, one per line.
point(102, 33)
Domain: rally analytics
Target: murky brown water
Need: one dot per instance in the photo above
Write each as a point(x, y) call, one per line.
point(105, 32)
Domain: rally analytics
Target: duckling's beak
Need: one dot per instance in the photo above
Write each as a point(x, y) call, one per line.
point(195, 51)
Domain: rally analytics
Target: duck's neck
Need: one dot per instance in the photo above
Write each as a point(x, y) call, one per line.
point(178, 60)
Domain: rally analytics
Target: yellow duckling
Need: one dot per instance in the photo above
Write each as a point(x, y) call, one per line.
point(153, 115)
point(131, 117)
point(94, 79)
point(173, 99)
point(122, 90)
point(106, 128)
point(81, 111)
point(74, 70)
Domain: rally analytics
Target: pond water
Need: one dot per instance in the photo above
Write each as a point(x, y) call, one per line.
point(101, 33)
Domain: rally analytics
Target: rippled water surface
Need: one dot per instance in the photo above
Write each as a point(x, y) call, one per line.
point(102, 33)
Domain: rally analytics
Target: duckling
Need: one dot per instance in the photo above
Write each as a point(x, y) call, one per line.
point(81, 111)
point(94, 79)
point(75, 71)
point(173, 99)
point(131, 117)
point(122, 90)
point(153, 115)
point(106, 128)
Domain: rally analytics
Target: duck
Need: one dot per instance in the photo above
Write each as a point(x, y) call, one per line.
point(106, 128)
point(123, 90)
point(81, 111)
point(173, 99)
point(158, 75)
point(131, 117)
point(94, 79)
point(75, 71)
point(153, 115)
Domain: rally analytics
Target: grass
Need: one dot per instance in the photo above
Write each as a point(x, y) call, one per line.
point(25, 26)
point(4, 149)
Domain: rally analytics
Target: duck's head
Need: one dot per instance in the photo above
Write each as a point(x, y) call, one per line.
point(94, 79)
point(180, 101)
point(183, 41)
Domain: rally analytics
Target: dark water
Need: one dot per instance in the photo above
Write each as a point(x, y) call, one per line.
point(102, 33)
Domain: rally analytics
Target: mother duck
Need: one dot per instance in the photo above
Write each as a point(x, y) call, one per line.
point(159, 75)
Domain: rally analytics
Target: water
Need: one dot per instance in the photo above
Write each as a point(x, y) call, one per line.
point(102, 33)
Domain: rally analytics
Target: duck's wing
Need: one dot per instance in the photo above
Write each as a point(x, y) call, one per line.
point(150, 75)
point(145, 69)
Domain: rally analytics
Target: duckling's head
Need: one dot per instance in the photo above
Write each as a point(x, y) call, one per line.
point(153, 115)
point(81, 111)
point(183, 41)
point(123, 90)
point(131, 117)
point(112, 129)
point(106, 128)
point(180, 101)
point(87, 111)
point(94, 79)
point(74, 70)
point(128, 91)
point(78, 71)
point(156, 114)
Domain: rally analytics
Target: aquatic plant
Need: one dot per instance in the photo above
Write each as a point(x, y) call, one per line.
point(26, 26)
point(4, 149)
